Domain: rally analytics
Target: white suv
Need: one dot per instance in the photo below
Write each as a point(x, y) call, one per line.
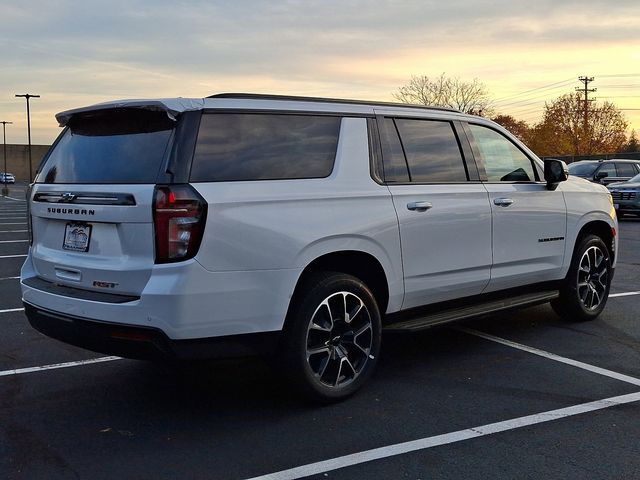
point(299, 228)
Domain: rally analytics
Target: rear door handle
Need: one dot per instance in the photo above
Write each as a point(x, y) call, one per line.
point(503, 202)
point(419, 206)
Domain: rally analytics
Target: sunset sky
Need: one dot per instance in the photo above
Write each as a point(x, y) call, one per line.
point(77, 53)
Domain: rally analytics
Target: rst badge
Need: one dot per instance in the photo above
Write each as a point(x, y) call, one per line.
point(77, 237)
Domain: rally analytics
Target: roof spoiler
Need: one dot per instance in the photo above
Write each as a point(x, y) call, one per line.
point(173, 107)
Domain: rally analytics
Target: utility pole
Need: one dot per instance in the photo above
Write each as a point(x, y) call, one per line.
point(586, 91)
point(5, 190)
point(28, 96)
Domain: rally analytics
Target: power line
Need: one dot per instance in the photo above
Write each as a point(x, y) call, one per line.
point(543, 87)
point(545, 95)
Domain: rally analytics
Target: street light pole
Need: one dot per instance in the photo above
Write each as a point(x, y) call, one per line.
point(4, 148)
point(28, 96)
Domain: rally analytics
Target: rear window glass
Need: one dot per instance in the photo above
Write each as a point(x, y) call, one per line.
point(113, 146)
point(432, 151)
point(264, 147)
point(625, 169)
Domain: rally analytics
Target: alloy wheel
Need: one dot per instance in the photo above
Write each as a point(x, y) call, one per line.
point(593, 278)
point(339, 339)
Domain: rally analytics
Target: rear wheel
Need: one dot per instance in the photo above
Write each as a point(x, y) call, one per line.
point(586, 287)
point(332, 339)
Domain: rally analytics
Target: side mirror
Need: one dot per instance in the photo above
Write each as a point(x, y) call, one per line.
point(555, 171)
point(601, 175)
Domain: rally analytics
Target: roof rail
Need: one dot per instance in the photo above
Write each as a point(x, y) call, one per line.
point(260, 96)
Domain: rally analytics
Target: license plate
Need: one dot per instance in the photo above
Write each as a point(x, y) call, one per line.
point(76, 237)
point(616, 206)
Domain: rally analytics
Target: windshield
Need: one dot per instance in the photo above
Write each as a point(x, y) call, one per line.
point(582, 169)
point(124, 145)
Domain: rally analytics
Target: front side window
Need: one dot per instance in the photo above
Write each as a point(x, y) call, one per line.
point(432, 151)
point(609, 169)
point(503, 161)
point(243, 146)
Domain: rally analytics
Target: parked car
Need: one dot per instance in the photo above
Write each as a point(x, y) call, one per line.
point(626, 196)
point(300, 228)
point(605, 171)
point(6, 177)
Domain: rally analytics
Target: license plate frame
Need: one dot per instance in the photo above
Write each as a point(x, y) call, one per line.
point(77, 237)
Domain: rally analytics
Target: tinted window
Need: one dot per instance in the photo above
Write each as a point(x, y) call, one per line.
point(264, 147)
point(395, 165)
point(582, 169)
point(609, 168)
point(503, 161)
point(112, 146)
point(625, 169)
point(432, 151)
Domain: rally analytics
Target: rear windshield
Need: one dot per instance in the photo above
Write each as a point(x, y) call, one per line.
point(125, 145)
point(582, 168)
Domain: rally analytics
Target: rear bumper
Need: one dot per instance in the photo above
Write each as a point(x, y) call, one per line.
point(132, 341)
point(183, 301)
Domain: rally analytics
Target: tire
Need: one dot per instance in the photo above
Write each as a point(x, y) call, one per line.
point(331, 339)
point(585, 290)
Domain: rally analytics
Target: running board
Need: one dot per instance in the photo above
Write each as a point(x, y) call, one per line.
point(443, 316)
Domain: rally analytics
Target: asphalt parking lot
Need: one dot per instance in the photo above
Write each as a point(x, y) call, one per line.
point(515, 395)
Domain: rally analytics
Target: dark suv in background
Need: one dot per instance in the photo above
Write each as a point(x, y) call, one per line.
point(605, 171)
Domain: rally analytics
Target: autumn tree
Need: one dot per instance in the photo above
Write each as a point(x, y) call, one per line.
point(469, 97)
point(519, 128)
point(632, 146)
point(567, 130)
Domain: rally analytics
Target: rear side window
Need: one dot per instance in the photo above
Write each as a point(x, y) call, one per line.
point(432, 151)
point(625, 169)
point(125, 145)
point(242, 146)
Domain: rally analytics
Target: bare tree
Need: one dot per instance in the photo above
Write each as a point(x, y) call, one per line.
point(442, 91)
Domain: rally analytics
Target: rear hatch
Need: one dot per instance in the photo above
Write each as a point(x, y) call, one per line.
point(91, 203)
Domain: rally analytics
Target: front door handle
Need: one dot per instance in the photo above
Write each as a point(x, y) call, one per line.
point(419, 206)
point(503, 202)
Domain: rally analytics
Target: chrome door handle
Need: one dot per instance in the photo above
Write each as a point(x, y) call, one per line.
point(502, 202)
point(419, 206)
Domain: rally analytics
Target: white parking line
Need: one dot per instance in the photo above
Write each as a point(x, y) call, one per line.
point(8, 278)
point(12, 310)
point(13, 231)
point(15, 199)
point(553, 356)
point(13, 241)
point(12, 256)
point(54, 366)
point(20, 223)
point(447, 438)
point(623, 294)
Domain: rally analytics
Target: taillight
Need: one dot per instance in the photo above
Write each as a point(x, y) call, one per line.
point(179, 216)
point(29, 220)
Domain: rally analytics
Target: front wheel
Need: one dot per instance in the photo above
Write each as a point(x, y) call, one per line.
point(586, 286)
point(332, 338)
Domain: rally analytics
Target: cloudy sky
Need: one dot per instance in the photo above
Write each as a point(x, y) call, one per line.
point(75, 53)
